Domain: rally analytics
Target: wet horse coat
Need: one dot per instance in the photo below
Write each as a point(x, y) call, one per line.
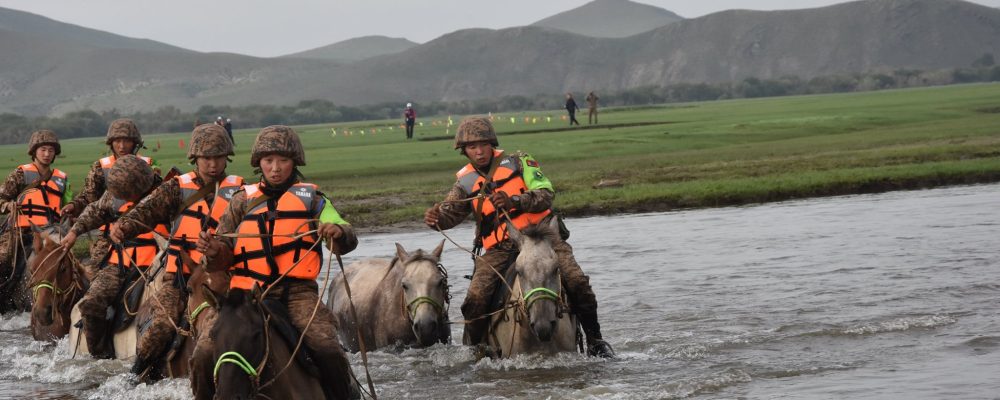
point(535, 316)
point(402, 301)
point(57, 282)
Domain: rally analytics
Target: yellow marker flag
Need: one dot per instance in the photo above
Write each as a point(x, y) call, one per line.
point(548, 119)
point(421, 124)
point(512, 120)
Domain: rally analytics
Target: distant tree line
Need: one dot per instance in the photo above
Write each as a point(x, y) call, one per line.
point(16, 128)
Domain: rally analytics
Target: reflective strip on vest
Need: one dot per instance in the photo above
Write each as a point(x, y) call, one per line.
point(42, 204)
point(262, 260)
point(193, 220)
point(507, 178)
point(139, 251)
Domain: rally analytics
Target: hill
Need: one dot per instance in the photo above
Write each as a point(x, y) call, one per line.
point(357, 49)
point(58, 75)
point(610, 19)
point(39, 26)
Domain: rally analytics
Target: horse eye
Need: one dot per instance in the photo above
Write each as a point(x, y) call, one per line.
point(406, 287)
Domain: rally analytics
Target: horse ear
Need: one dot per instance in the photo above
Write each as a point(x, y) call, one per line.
point(514, 234)
point(401, 252)
point(36, 244)
point(438, 250)
point(210, 297)
point(256, 292)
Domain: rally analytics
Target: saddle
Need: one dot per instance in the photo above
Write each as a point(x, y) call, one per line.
point(281, 321)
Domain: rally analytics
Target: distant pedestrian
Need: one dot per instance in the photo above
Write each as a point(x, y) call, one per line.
point(411, 118)
point(571, 108)
point(592, 104)
point(229, 130)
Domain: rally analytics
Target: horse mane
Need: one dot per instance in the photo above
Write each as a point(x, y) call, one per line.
point(541, 232)
point(418, 255)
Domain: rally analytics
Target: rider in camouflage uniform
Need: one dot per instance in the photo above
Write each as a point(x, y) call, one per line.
point(123, 138)
point(276, 155)
point(37, 192)
point(189, 203)
point(129, 181)
point(526, 194)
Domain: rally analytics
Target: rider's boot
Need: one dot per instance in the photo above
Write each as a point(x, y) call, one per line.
point(596, 346)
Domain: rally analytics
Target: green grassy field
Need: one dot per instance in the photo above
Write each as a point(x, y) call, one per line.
point(675, 156)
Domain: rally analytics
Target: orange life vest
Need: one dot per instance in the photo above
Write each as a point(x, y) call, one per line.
point(41, 204)
point(507, 178)
point(264, 259)
point(139, 251)
point(197, 217)
point(109, 161)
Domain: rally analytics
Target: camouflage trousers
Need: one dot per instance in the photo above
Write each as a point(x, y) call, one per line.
point(15, 247)
point(99, 249)
point(321, 337)
point(94, 308)
point(479, 297)
point(168, 308)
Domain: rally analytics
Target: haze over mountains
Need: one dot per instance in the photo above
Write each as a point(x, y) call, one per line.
point(610, 19)
point(357, 49)
point(59, 67)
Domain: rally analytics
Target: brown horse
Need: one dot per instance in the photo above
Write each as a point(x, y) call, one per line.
point(403, 301)
point(253, 360)
point(536, 318)
point(57, 282)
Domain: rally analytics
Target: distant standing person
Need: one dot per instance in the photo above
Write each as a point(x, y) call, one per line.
point(592, 103)
point(571, 108)
point(411, 118)
point(229, 130)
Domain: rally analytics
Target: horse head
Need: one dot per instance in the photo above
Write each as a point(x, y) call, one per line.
point(425, 294)
point(241, 344)
point(52, 274)
point(538, 269)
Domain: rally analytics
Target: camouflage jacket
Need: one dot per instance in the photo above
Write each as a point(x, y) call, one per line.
point(93, 187)
point(100, 212)
point(538, 198)
point(160, 207)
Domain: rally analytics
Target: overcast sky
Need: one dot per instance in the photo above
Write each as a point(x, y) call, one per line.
point(272, 27)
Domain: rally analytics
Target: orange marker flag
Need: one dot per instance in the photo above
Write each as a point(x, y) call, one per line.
point(181, 143)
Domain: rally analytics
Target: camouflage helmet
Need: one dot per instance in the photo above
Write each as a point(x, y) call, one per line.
point(277, 139)
point(129, 178)
point(124, 128)
point(475, 129)
point(209, 140)
point(40, 138)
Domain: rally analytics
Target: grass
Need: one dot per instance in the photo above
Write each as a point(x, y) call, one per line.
point(672, 156)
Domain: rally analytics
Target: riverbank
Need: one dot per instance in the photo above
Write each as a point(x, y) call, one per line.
point(647, 159)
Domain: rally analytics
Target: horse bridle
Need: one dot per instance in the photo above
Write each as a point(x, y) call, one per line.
point(442, 309)
point(545, 294)
point(235, 358)
point(53, 286)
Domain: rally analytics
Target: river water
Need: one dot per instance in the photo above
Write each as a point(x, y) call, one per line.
point(892, 295)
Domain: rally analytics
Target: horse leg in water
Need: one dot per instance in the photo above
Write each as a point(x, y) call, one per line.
point(202, 359)
point(321, 337)
point(94, 308)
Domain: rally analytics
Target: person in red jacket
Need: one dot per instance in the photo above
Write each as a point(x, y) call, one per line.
point(411, 118)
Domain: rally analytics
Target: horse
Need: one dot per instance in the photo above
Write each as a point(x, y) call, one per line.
point(57, 282)
point(253, 358)
point(535, 316)
point(401, 301)
point(126, 336)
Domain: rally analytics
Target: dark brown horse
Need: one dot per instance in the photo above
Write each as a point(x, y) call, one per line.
point(57, 282)
point(402, 301)
point(253, 360)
